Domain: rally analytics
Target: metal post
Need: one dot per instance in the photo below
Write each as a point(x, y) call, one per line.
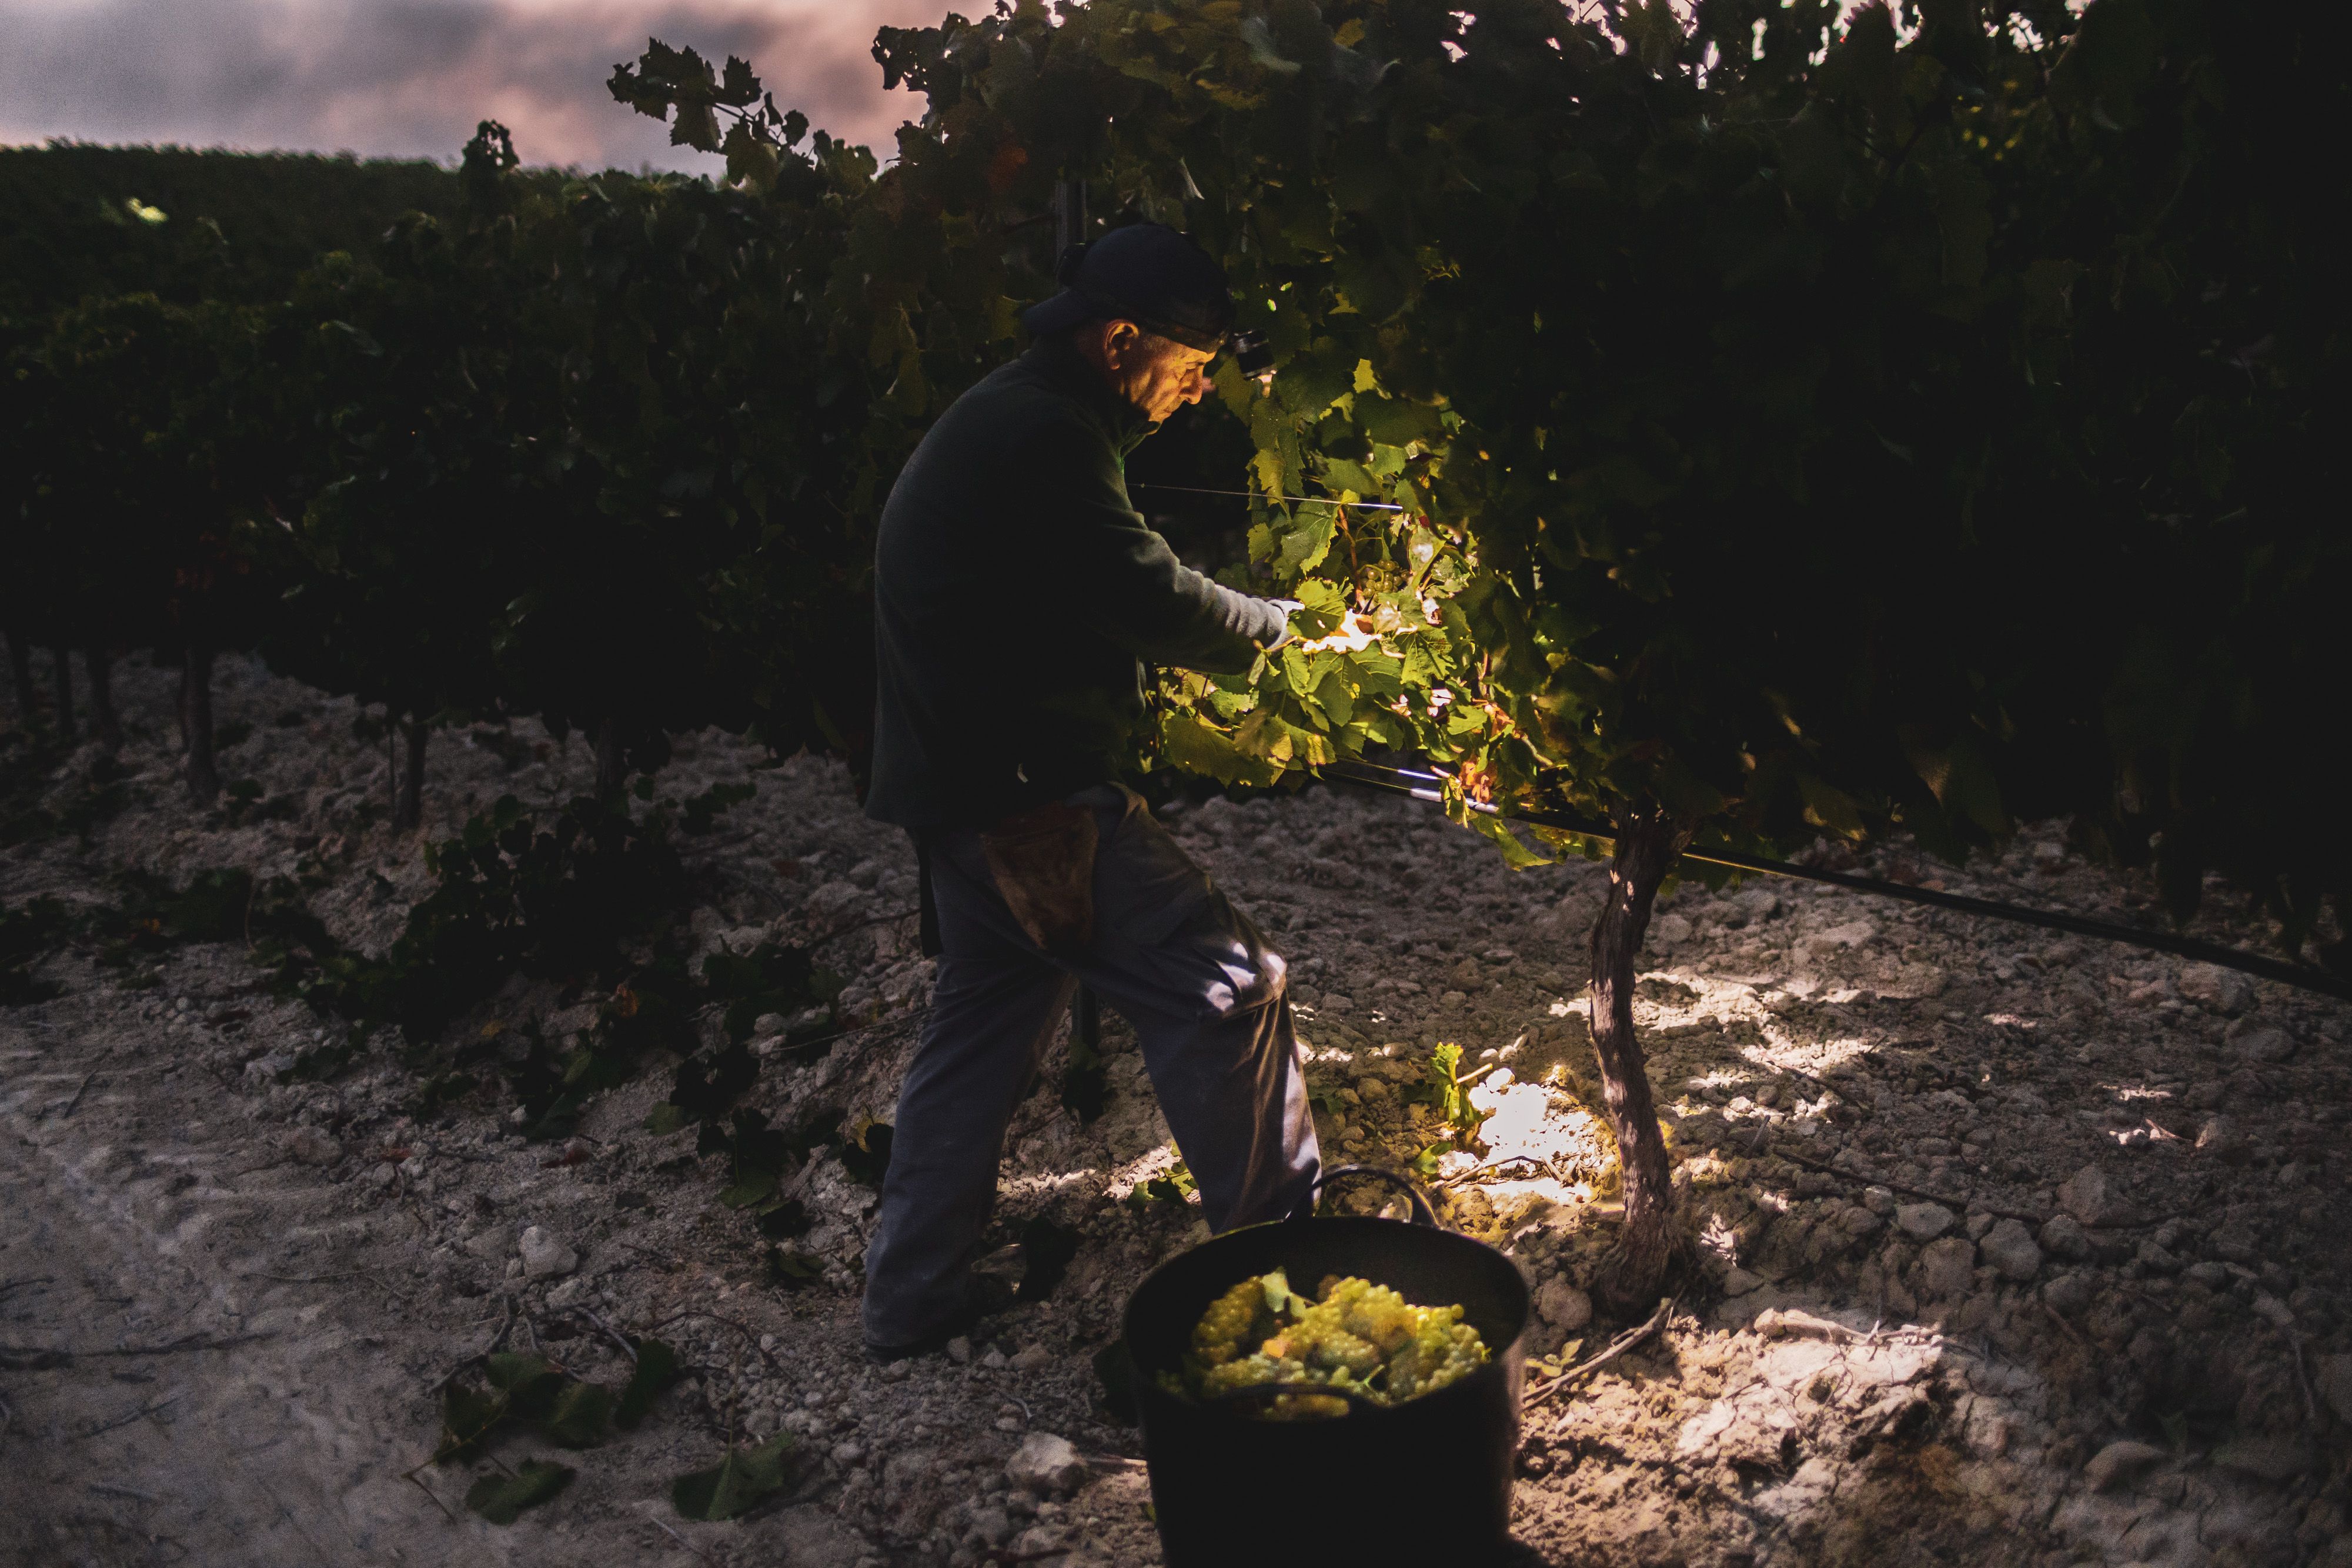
point(1069, 214)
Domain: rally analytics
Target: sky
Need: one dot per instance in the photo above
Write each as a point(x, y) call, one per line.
point(411, 77)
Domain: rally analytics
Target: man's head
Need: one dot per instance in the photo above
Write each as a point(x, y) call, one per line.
point(1148, 309)
point(1156, 374)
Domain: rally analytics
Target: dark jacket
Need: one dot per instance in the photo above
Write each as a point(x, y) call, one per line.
point(1016, 595)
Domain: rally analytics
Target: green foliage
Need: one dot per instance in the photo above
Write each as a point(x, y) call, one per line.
point(79, 221)
point(1805, 426)
point(743, 1477)
point(1446, 1089)
point(510, 1391)
point(1808, 428)
point(566, 898)
point(141, 441)
point(1172, 1186)
point(501, 1498)
point(789, 1269)
point(27, 935)
point(34, 809)
point(866, 1151)
point(656, 1369)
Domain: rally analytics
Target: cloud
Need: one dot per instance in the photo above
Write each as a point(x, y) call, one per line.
point(411, 77)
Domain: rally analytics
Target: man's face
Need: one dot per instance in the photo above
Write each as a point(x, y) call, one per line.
point(1154, 374)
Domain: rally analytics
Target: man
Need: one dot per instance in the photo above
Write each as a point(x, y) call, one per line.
point(1018, 595)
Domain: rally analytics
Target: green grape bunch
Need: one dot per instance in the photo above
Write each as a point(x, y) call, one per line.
point(1353, 1336)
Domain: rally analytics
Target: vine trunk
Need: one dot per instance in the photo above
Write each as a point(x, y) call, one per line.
point(611, 773)
point(63, 659)
point(408, 806)
point(1648, 843)
point(196, 723)
point(104, 721)
point(20, 665)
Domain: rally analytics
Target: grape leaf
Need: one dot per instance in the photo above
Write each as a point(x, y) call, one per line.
point(743, 1477)
point(502, 1498)
point(655, 1370)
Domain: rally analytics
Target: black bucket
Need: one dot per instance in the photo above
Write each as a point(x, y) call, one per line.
point(1425, 1483)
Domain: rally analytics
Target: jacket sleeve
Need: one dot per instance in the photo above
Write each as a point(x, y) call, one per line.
point(1125, 583)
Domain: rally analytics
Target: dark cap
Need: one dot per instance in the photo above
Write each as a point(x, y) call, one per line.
point(1145, 273)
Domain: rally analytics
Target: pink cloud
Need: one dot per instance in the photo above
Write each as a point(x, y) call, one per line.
point(410, 77)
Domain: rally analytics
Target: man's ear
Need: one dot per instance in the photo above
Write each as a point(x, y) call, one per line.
point(1119, 341)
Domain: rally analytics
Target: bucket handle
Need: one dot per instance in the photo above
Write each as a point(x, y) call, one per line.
point(1422, 1213)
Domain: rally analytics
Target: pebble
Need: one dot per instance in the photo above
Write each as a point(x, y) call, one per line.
point(848, 1453)
point(1948, 1268)
point(313, 1147)
point(1922, 1221)
point(1047, 1465)
point(2223, 990)
point(1035, 1358)
point(2335, 1385)
point(575, 1291)
point(2062, 1236)
point(2119, 1462)
point(991, 1527)
point(2085, 1197)
point(1738, 1282)
point(2068, 1295)
point(2268, 1043)
point(543, 1256)
point(960, 1351)
point(2220, 1139)
point(1563, 1305)
point(2270, 1459)
point(2010, 1248)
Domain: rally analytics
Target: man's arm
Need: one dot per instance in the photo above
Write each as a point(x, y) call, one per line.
point(1127, 584)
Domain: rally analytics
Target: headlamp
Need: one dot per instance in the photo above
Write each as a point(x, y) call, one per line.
point(1252, 353)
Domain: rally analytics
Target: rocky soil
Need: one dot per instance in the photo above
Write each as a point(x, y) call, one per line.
point(2012, 1249)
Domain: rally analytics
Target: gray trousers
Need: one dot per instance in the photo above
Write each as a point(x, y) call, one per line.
point(1178, 961)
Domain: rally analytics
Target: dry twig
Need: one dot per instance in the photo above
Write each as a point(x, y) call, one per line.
point(144, 1411)
point(1617, 1347)
point(750, 1334)
point(673, 1535)
point(606, 1330)
point(2064, 1327)
point(74, 1104)
point(1958, 1204)
point(20, 1357)
point(418, 1481)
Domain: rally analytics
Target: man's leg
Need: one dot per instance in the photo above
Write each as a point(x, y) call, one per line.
point(1236, 1100)
point(994, 1004)
point(1208, 1001)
